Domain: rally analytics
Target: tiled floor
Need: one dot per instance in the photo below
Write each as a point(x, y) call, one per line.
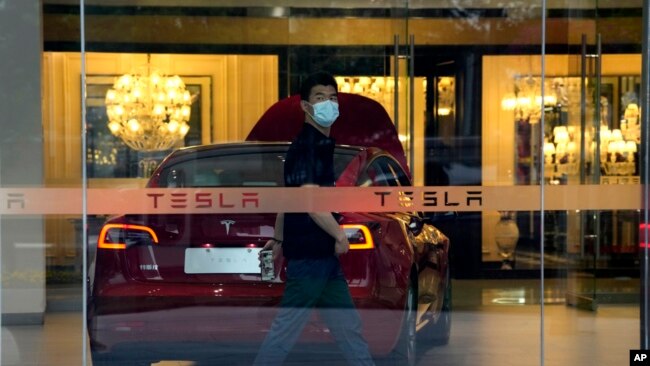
point(492, 325)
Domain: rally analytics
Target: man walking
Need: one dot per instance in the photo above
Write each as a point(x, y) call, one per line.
point(311, 242)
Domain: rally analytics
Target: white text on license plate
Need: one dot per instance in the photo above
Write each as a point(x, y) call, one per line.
point(222, 260)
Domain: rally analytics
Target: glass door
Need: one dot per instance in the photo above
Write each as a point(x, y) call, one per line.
point(592, 137)
point(601, 132)
point(574, 128)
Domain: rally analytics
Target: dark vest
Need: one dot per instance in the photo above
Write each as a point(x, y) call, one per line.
point(309, 160)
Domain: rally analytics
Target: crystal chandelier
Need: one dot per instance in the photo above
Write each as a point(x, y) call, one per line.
point(526, 101)
point(147, 110)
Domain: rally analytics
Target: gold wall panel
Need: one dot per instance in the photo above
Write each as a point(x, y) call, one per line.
point(332, 31)
point(242, 88)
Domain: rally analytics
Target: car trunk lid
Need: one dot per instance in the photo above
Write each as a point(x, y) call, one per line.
point(201, 248)
point(362, 122)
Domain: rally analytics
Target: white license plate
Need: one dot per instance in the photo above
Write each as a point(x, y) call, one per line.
point(222, 260)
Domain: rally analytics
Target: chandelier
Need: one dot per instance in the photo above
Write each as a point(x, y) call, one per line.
point(526, 101)
point(378, 88)
point(147, 110)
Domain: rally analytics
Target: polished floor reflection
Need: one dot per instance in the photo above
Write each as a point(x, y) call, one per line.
point(494, 323)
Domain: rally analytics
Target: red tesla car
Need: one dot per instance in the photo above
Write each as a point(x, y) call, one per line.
point(171, 286)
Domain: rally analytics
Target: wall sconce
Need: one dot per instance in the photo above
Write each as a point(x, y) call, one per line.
point(617, 155)
point(560, 154)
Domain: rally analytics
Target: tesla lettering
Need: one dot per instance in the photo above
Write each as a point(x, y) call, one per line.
point(179, 200)
point(205, 200)
point(430, 198)
point(250, 198)
point(474, 196)
point(15, 199)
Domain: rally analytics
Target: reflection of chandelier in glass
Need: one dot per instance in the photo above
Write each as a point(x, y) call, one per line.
point(147, 110)
point(526, 100)
point(378, 88)
point(616, 154)
point(561, 153)
point(446, 96)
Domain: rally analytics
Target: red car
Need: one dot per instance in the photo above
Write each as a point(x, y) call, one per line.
point(156, 293)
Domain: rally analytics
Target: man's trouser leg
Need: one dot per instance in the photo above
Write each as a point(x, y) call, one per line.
point(300, 295)
point(338, 311)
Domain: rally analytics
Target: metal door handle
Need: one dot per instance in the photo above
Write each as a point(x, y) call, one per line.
point(396, 82)
point(412, 104)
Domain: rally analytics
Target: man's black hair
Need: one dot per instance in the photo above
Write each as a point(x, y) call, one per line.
point(318, 78)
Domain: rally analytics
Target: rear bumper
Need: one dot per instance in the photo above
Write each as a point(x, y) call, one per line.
point(126, 313)
point(151, 322)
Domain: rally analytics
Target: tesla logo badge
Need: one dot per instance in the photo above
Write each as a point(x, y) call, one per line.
point(227, 223)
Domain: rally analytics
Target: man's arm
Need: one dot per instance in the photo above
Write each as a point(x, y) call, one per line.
point(327, 222)
point(279, 227)
point(275, 244)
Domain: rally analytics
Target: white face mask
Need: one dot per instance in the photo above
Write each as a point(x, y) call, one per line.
point(325, 113)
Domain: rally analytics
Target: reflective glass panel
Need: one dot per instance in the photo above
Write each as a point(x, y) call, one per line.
point(480, 196)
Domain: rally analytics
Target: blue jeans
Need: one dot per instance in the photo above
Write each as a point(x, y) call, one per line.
point(315, 283)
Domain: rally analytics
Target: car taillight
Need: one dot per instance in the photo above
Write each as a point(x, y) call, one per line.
point(121, 236)
point(643, 241)
point(358, 236)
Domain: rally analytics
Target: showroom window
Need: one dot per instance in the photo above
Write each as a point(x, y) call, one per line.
point(489, 173)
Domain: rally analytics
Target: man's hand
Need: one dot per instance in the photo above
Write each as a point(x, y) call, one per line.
point(342, 245)
point(274, 246)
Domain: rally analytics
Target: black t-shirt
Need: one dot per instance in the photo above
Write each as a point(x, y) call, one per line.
point(309, 160)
